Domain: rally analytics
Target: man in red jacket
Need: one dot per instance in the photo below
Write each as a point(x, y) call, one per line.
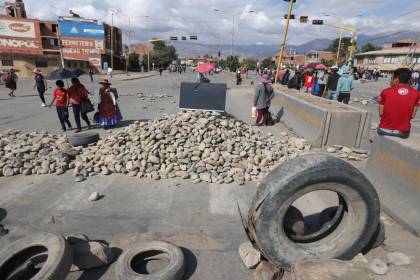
point(398, 105)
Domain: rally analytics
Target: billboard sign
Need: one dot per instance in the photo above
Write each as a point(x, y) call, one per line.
point(80, 48)
point(17, 29)
point(91, 30)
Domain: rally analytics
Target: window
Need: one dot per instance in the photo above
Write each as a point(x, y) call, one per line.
point(54, 42)
point(416, 60)
point(41, 64)
point(68, 64)
point(390, 59)
point(7, 61)
point(360, 60)
point(54, 28)
point(372, 60)
point(82, 65)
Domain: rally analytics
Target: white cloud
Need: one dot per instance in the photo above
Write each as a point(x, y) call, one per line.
point(265, 25)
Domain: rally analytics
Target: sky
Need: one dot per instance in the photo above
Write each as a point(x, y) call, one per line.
point(254, 21)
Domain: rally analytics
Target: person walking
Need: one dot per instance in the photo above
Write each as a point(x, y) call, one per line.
point(322, 78)
point(238, 78)
point(76, 93)
point(332, 83)
point(107, 106)
point(264, 93)
point(296, 81)
point(41, 85)
point(91, 72)
point(286, 77)
point(160, 71)
point(309, 81)
point(398, 105)
point(345, 86)
point(109, 72)
point(10, 79)
point(61, 104)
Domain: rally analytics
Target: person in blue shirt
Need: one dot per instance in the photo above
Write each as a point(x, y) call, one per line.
point(345, 85)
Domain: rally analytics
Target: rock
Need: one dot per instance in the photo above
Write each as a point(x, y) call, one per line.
point(283, 133)
point(206, 177)
point(89, 255)
point(331, 150)
point(346, 150)
point(59, 172)
point(94, 196)
point(8, 172)
point(361, 260)
point(267, 271)
point(399, 259)
point(330, 270)
point(154, 159)
point(249, 255)
point(360, 151)
point(182, 174)
point(227, 180)
point(378, 267)
point(80, 179)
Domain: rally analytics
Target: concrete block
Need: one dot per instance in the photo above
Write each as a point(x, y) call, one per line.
point(394, 169)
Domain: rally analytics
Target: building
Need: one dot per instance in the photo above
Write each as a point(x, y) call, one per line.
point(319, 56)
point(140, 49)
point(25, 43)
point(296, 60)
point(391, 57)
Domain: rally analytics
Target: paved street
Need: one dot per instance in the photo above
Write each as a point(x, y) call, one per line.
point(201, 218)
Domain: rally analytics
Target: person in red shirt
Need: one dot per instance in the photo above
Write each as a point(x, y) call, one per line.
point(309, 82)
point(398, 105)
point(61, 103)
point(77, 92)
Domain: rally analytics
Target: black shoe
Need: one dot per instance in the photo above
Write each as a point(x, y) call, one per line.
point(78, 130)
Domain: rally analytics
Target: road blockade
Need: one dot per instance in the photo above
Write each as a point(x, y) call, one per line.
point(394, 169)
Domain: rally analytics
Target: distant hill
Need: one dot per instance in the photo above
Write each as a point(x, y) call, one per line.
point(262, 51)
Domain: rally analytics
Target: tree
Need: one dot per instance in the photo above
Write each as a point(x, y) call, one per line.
point(250, 63)
point(232, 62)
point(134, 61)
point(161, 55)
point(328, 62)
point(368, 47)
point(267, 63)
point(345, 43)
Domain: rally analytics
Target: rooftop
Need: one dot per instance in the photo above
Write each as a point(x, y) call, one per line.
point(393, 51)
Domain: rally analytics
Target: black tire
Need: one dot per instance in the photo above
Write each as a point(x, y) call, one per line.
point(83, 139)
point(302, 175)
point(57, 265)
point(174, 271)
point(377, 240)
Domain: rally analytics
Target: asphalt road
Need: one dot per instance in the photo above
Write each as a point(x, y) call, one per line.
point(201, 218)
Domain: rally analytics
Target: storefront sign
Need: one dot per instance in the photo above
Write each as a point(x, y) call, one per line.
point(17, 29)
point(92, 30)
point(82, 48)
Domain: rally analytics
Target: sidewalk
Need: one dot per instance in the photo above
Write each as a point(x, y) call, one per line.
point(131, 76)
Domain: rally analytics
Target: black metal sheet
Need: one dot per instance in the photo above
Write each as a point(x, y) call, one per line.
point(203, 96)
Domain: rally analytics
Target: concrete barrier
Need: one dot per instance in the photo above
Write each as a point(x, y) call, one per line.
point(323, 122)
point(394, 169)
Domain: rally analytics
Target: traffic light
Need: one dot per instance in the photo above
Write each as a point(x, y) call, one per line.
point(174, 38)
point(304, 19)
point(318, 22)
point(183, 38)
point(291, 16)
point(294, 1)
point(193, 37)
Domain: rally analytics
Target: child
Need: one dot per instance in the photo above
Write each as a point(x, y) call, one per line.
point(61, 103)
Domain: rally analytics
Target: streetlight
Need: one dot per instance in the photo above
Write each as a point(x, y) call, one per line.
point(233, 25)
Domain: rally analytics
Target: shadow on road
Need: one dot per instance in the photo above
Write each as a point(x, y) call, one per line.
point(190, 263)
point(3, 214)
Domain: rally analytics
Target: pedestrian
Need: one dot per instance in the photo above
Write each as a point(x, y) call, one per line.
point(309, 81)
point(41, 85)
point(238, 78)
point(91, 72)
point(76, 93)
point(415, 78)
point(61, 104)
point(286, 77)
point(10, 79)
point(160, 71)
point(107, 106)
point(264, 93)
point(109, 72)
point(398, 105)
point(296, 81)
point(332, 83)
point(322, 78)
point(345, 86)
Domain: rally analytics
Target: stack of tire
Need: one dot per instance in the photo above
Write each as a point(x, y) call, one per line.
point(48, 256)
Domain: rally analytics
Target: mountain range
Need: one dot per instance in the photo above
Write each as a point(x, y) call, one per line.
point(187, 49)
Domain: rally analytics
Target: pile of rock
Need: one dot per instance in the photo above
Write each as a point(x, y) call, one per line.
point(347, 153)
point(34, 153)
point(200, 146)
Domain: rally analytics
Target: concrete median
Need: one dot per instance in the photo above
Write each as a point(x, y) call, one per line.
point(323, 122)
point(394, 169)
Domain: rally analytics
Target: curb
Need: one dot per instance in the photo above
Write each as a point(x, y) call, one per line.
point(138, 78)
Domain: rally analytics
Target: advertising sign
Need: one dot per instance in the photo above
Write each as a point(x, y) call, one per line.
point(79, 29)
point(17, 29)
point(80, 48)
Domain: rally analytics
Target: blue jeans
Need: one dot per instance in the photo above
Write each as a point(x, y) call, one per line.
point(393, 133)
point(332, 95)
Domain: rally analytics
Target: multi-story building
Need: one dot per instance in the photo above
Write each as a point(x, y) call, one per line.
point(393, 56)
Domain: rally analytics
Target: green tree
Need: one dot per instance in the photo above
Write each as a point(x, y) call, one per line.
point(133, 61)
point(328, 62)
point(250, 63)
point(161, 55)
point(267, 63)
point(232, 63)
point(345, 43)
point(368, 47)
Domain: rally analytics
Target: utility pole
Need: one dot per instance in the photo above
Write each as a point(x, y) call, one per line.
point(283, 44)
point(60, 46)
point(112, 40)
point(127, 59)
point(233, 34)
point(339, 49)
